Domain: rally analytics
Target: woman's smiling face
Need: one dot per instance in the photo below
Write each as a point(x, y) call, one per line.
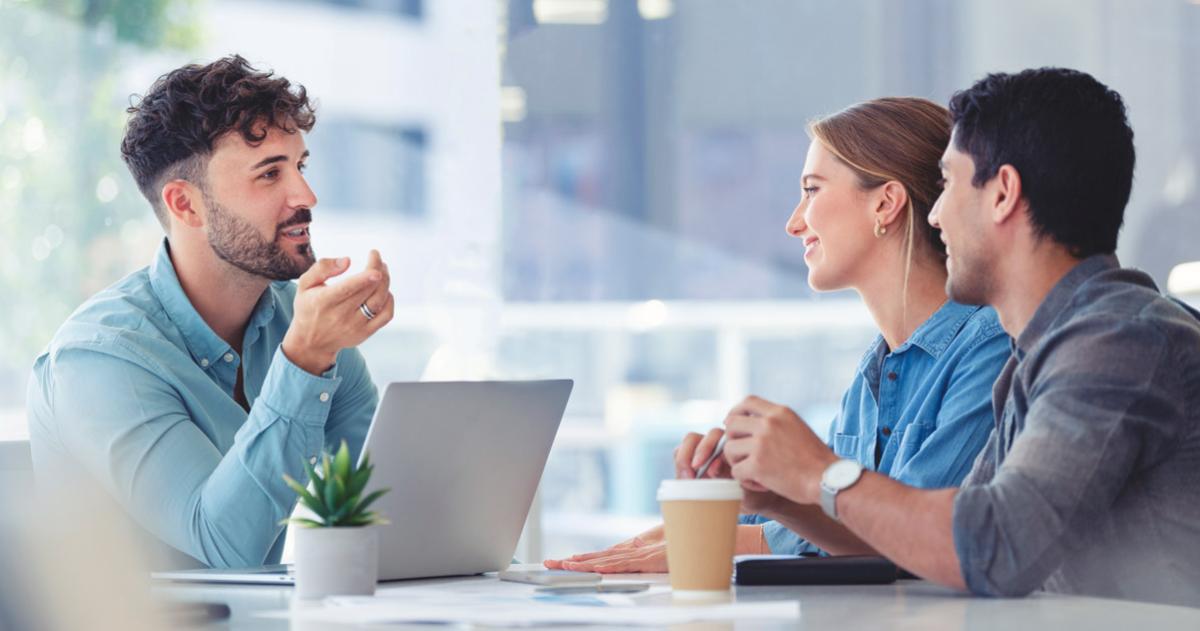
point(834, 219)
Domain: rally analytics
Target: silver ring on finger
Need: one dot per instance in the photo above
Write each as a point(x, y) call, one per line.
point(366, 311)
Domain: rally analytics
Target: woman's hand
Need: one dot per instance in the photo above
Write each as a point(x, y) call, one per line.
point(694, 450)
point(646, 552)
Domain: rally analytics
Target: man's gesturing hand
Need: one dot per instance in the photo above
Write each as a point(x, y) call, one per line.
point(329, 318)
point(772, 449)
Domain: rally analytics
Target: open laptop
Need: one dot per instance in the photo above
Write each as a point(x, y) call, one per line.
point(462, 460)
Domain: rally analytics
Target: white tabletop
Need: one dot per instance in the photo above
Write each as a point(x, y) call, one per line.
point(903, 605)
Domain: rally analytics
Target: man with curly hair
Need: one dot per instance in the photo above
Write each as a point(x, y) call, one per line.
point(188, 388)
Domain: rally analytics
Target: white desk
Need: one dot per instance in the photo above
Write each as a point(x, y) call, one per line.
point(903, 605)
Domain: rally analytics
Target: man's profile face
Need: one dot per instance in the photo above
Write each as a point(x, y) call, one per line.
point(259, 206)
point(960, 213)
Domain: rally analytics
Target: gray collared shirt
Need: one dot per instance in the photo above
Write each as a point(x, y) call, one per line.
point(1090, 483)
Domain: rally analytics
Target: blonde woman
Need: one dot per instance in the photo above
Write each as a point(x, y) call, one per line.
point(919, 408)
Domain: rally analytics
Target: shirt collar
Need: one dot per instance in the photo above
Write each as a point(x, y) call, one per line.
point(202, 342)
point(933, 336)
point(264, 310)
point(869, 366)
point(1060, 296)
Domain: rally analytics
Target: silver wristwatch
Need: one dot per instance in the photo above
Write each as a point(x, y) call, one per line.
point(838, 477)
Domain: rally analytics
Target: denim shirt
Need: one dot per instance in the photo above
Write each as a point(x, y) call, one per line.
point(919, 413)
point(136, 393)
point(1090, 483)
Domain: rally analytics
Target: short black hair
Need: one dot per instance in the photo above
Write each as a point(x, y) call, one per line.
point(1068, 137)
point(172, 128)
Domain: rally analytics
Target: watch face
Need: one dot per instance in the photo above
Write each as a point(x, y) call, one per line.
point(842, 474)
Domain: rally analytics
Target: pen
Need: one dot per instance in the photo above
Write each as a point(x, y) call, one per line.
point(716, 452)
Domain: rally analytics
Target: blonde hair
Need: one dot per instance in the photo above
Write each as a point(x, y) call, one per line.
point(894, 139)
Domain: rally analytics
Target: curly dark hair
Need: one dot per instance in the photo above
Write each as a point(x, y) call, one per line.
point(172, 128)
point(1068, 137)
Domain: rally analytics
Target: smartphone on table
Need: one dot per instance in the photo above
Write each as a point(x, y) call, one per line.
point(607, 587)
point(550, 577)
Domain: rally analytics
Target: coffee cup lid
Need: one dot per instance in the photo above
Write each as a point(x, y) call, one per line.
point(699, 490)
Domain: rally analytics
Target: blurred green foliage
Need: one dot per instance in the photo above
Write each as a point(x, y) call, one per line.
point(71, 219)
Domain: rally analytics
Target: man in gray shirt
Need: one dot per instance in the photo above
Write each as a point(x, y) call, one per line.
point(1090, 483)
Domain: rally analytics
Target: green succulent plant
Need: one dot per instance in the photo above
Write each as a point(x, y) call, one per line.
point(336, 497)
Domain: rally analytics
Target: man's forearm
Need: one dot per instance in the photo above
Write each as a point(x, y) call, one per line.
point(810, 522)
point(912, 527)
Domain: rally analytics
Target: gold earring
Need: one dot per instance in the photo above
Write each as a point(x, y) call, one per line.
point(880, 229)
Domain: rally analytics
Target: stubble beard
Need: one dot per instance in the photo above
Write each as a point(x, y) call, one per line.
point(968, 281)
point(238, 243)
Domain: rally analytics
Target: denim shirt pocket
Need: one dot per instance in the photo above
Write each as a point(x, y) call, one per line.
point(846, 446)
point(911, 440)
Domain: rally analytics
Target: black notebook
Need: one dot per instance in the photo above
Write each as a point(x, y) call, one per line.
point(814, 570)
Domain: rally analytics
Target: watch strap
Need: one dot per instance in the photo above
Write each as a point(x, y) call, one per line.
point(829, 500)
point(829, 493)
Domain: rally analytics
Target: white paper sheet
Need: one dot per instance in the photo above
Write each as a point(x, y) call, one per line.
point(529, 609)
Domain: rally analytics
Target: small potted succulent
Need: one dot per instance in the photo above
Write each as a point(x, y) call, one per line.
point(337, 552)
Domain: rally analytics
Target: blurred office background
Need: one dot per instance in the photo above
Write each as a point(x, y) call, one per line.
point(584, 188)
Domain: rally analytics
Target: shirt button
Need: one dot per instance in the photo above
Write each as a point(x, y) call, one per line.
point(891, 376)
point(887, 431)
point(228, 357)
point(204, 363)
point(324, 397)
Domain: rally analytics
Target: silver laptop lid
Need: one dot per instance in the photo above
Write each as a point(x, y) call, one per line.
point(463, 461)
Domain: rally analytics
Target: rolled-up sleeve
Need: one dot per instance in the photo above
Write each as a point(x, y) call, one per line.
point(779, 539)
point(1100, 395)
point(783, 541)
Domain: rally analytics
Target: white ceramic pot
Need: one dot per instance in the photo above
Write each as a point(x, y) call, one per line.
point(336, 561)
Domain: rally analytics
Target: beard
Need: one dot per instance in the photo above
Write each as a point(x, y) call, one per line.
point(968, 282)
point(238, 243)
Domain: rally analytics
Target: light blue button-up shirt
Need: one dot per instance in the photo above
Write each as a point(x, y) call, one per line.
point(136, 392)
point(919, 413)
